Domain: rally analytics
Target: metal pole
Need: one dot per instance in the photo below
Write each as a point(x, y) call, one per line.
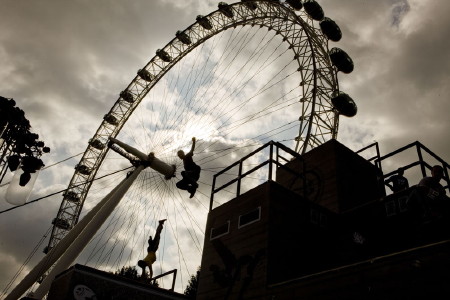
point(419, 153)
point(212, 193)
point(86, 235)
point(238, 187)
point(56, 252)
point(167, 170)
point(270, 161)
point(378, 156)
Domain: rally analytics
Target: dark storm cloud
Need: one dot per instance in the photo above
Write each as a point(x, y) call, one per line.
point(401, 72)
point(399, 9)
point(79, 53)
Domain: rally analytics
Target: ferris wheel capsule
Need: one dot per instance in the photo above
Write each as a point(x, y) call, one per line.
point(204, 22)
point(313, 9)
point(127, 96)
point(163, 55)
point(144, 74)
point(330, 29)
point(97, 144)
point(226, 9)
point(250, 4)
point(296, 4)
point(345, 105)
point(341, 60)
point(83, 169)
point(71, 196)
point(109, 118)
point(183, 37)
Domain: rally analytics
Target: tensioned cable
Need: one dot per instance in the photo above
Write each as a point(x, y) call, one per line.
point(141, 189)
point(61, 191)
point(113, 220)
point(234, 76)
point(114, 224)
point(241, 86)
point(215, 40)
point(269, 106)
point(129, 220)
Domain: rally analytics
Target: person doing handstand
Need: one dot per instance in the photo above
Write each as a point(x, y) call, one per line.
point(191, 171)
point(153, 245)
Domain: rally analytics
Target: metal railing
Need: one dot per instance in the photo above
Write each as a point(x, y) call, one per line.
point(376, 158)
point(274, 159)
point(174, 271)
point(420, 149)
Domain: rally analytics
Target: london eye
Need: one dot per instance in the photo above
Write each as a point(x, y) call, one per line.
point(245, 74)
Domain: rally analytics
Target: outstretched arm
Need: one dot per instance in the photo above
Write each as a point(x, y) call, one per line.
point(193, 146)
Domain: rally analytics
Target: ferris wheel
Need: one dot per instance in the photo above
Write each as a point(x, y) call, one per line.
point(245, 74)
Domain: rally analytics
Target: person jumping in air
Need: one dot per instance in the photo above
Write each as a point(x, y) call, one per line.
point(191, 171)
point(153, 245)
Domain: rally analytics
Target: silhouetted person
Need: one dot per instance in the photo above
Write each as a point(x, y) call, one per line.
point(191, 171)
point(153, 245)
point(430, 186)
point(432, 200)
point(399, 182)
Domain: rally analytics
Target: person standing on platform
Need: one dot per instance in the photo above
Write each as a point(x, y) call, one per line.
point(430, 187)
point(399, 182)
point(430, 199)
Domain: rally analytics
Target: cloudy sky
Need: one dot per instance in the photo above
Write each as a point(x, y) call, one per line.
point(65, 62)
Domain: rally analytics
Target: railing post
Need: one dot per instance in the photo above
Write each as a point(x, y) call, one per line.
point(270, 160)
point(174, 279)
point(212, 193)
point(378, 157)
point(278, 154)
point(238, 188)
point(422, 167)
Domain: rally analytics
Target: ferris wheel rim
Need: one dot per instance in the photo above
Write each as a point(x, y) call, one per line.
point(93, 157)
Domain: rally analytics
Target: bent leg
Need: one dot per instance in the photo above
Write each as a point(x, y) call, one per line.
point(182, 184)
point(143, 265)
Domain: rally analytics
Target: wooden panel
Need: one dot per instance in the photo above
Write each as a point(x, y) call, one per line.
point(234, 264)
point(286, 243)
point(299, 236)
point(335, 177)
point(418, 274)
